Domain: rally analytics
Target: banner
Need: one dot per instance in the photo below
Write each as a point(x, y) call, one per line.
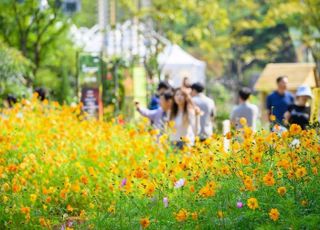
point(90, 98)
point(90, 86)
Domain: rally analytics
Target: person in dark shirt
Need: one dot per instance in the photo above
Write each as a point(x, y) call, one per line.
point(299, 113)
point(279, 101)
point(155, 100)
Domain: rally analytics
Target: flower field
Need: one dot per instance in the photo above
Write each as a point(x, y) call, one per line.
point(60, 171)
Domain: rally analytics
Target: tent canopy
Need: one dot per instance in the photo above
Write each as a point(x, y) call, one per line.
point(177, 64)
point(298, 74)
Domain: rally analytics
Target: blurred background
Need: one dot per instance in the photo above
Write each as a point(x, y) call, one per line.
point(111, 52)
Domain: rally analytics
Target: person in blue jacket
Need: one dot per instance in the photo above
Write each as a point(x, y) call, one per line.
point(155, 100)
point(279, 101)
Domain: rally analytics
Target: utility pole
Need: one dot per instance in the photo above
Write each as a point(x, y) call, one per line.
point(103, 6)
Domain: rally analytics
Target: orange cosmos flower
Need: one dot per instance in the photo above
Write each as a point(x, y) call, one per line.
point(208, 190)
point(182, 215)
point(194, 216)
point(274, 214)
point(228, 135)
point(269, 180)
point(295, 129)
point(69, 208)
point(272, 117)
point(84, 179)
point(25, 210)
point(144, 222)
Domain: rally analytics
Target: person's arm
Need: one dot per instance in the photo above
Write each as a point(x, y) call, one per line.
point(287, 115)
point(194, 119)
point(213, 113)
point(145, 112)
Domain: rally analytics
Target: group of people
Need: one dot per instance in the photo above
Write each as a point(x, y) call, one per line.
point(282, 107)
point(192, 111)
point(188, 107)
point(285, 109)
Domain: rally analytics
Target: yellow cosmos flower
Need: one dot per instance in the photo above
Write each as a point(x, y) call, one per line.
point(301, 172)
point(252, 203)
point(282, 191)
point(33, 198)
point(112, 209)
point(243, 121)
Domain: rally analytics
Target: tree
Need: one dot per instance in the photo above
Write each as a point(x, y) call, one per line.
point(41, 33)
point(14, 69)
point(192, 24)
point(87, 17)
point(254, 41)
point(32, 28)
point(302, 15)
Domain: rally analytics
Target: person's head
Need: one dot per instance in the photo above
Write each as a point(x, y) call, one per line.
point(41, 93)
point(282, 83)
point(180, 97)
point(244, 93)
point(196, 88)
point(303, 94)
point(179, 102)
point(166, 100)
point(163, 86)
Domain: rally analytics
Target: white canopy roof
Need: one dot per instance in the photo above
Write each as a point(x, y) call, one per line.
point(177, 64)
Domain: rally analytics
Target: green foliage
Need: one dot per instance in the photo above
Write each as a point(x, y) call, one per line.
point(303, 15)
point(14, 71)
point(88, 15)
point(41, 34)
point(222, 98)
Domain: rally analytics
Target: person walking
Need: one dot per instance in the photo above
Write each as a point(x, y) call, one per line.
point(299, 112)
point(207, 107)
point(245, 109)
point(279, 101)
point(159, 116)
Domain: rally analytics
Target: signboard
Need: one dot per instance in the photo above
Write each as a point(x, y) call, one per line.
point(90, 86)
point(92, 105)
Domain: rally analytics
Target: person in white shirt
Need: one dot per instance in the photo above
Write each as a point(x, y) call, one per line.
point(185, 117)
point(245, 109)
point(207, 107)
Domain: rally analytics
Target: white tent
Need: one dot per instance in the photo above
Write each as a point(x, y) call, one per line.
point(176, 64)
